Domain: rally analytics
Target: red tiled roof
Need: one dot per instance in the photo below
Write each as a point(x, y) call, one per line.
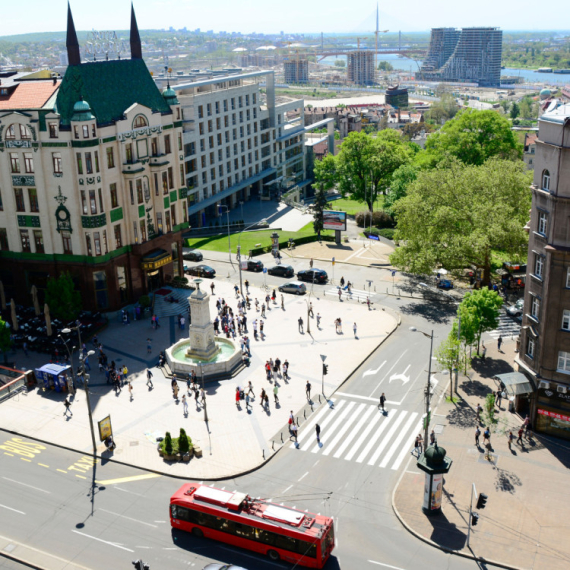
point(29, 95)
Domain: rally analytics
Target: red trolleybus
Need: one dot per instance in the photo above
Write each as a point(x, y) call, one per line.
point(238, 519)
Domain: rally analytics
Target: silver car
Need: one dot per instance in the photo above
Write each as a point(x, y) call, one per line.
point(295, 287)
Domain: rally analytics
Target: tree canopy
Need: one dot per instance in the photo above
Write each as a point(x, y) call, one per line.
point(5, 339)
point(63, 300)
point(456, 214)
point(319, 206)
point(475, 136)
point(401, 179)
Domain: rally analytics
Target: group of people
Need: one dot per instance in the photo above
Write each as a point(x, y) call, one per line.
point(273, 369)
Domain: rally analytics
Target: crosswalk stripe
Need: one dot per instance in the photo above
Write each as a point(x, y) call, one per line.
point(384, 442)
point(398, 440)
point(354, 432)
point(354, 293)
point(334, 426)
point(376, 436)
point(307, 427)
point(406, 448)
point(325, 422)
point(357, 413)
point(363, 436)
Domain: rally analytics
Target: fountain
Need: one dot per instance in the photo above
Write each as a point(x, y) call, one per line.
point(206, 354)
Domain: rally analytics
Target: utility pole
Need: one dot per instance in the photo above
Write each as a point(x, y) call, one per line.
point(428, 395)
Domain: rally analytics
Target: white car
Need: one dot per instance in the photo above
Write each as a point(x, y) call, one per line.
point(516, 309)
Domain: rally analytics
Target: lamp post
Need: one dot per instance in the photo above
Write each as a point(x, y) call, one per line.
point(239, 252)
point(70, 353)
point(86, 380)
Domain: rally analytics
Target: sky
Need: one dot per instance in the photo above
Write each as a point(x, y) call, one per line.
point(291, 16)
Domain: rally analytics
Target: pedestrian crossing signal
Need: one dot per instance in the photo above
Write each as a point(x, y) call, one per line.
point(474, 519)
point(325, 369)
point(482, 501)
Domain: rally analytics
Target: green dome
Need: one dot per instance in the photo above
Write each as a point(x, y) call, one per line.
point(170, 96)
point(82, 112)
point(435, 455)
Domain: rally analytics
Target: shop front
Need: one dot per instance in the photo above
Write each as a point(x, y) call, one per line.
point(519, 390)
point(153, 265)
point(553, 410)
point(54, 377)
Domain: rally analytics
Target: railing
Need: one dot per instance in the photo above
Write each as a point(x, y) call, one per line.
point(12, 388)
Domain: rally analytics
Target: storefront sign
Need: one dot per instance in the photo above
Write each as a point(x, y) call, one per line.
point(105, 43)
point(105, 429)
point(143, 131)
point(554, 415)
point(554, 395)
point(153, 265)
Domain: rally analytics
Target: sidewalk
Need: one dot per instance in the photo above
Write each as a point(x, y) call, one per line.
point(524, 524)
point(234, 440)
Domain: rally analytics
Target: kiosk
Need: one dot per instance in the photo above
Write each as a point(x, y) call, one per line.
point(54, 376)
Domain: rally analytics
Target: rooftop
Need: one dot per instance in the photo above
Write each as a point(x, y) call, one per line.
point(559, 115)
point(29, 95)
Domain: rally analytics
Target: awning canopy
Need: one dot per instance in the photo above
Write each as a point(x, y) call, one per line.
point(155, 259)
point(516, 383)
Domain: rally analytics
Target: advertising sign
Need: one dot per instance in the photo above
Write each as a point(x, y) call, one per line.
point(333, 220)
point(105, 429)
point(436, 491)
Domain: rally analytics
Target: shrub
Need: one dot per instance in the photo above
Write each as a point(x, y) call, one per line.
point(144, 301)
point(167, 444)
point(183, 442)
point(380, 219)
point(180, 280)
point(388, 233)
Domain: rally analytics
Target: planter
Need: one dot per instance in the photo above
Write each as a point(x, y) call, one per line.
point(170, 457)
point(197, 451)
point(186, 457)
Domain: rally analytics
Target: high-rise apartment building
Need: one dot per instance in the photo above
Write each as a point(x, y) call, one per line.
point(296, 70)
point(472, 55)
point(360, 67)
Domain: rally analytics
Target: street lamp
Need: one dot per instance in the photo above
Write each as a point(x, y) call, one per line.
point(428, 389)
point(85, 379)
point(69, 352)
point(239, 252)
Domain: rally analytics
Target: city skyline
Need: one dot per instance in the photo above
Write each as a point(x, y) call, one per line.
point(253, 16)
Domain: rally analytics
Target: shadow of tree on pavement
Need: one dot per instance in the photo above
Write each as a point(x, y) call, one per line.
point(462, 415)
point(490, 367)
point(507, 481)
point(475, 388)
point(438, 314)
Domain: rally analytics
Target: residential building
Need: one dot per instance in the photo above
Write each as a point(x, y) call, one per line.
point(472, 55)
point(544, 352)
point(92, 180)
point(360, 67)
point(530, 149)
point(296, 70)
point(397, 96)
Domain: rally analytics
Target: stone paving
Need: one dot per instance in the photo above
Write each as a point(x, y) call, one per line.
point(234, 440)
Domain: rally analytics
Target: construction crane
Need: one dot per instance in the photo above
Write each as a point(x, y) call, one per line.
point(376, 47)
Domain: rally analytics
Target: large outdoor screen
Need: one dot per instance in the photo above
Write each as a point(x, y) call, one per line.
point(333, 220)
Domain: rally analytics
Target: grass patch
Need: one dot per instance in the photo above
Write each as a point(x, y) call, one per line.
point(352, 207)
point(249, 240)
point(452, 400)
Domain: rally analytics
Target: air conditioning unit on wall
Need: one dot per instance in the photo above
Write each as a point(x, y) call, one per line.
point(561, 389)
point(544, 385)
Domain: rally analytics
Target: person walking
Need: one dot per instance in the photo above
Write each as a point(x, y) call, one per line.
point(342, 281)
point(483, 351)
point(250, 389)
point(261, 324)
point(175, 390)
point(300, 321)
point(308, 390)
point(339, 294)
point(263, 311)
point(130, 392)
point(286, 370)
point(311, 263)
point(212, 287)
point(67, 404)
point(520, 435)
point(277, 366)
point(184, 405)
point(477, 435)
point(417, 445)
point(294, 431)
point(382, 402)
point(420, 442)
point(182, 323)
point(526, 426)
point(262, 397)
point(318, 320)
point(510, 438)
point(487, 436)
point(479, 410)
point(432, 438)
point(354, 329)
point(368, 302)
point(499, 343)
point(237, 397)
point(149, 378)
point(275, 394)
point(25, 347)
point(247, 404)
point(148, 345)
point(498, 398)
point(125, 372)
point(246, 287)
point(318, 432)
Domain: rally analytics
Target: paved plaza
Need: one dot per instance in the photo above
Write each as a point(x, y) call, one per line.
point(234, 440)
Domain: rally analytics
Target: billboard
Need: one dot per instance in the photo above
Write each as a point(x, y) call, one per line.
point(333, 220)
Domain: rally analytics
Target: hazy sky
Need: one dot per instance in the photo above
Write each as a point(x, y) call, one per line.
point(271, 16)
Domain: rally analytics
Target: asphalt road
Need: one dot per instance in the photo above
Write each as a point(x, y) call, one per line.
point(107, 515)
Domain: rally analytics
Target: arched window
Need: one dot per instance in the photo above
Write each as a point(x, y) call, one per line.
point(25, 133)
point(545, 180)
point(140, 121)
point(11, 132)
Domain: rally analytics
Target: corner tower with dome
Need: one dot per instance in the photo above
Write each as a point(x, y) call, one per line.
point(92, 180)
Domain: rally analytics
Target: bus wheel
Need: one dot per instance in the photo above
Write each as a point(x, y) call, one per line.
point(197, 532)
point(273, 555)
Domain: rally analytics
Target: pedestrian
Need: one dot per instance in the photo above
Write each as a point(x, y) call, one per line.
point(262, 397)
point(382, 401)
point(294, 431)
point(263, 311)
point(267, 370)
point(184, 405)
point(311, 263)
point(499, 342)
point(479, 410)
point(498, 398)
point(275, 396)
point(237, 396)
point(487, 436)
point(477, 435)
point(368, 302)
point(342, 281)
point(300, 321)
point(520, 434)
point(432, 438)
point(318, 320)
point(86, 363)
point(510, 438)
point(67, 404)
point(282, 302)
point(182, 323)
point(274, 297)
point(526, 426)
point(286, 370)
point(125, 372)
point(25, 347)
point(250, 389)
point(483, 351)
point(420, 443)
point(175, 390)
point(308, 390)
point(246, 286)
point(212, 287)
point(130, 392)
point(277, 366)
point(311, 314)
point(149, 378)
point(148, 345)
point(236, 290)
point(339, 325)
point(354, 329)
point(339, 294)
point(256, 305)
point(153, 321)
point(417, 445)
point(318, 431)
point(203, 396)
point(247, 405)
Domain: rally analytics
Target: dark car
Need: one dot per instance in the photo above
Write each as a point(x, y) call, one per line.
point(445, 284)
point(193, 256)
point(254, 265)
point(281, 270)
point(201, 271)
point(313, 275)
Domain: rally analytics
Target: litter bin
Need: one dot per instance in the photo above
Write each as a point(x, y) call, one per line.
point(512, 404)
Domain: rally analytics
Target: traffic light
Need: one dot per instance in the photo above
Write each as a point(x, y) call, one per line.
point(325, 369)
point(474, 519)
point(482, 501)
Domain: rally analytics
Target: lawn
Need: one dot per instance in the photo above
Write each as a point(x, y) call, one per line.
point(352, 207)
point(249, 240)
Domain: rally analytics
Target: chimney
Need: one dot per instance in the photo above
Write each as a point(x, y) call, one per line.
point(73, 55)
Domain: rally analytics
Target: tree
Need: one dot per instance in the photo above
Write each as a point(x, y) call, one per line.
point(325, 172)
point(340, 63)
point(515, 110)
point(63, 300)
point(319, 206)
point(5, 339)
point(447, 356)
point(411, 130)
point(366, 163)
point(443, 110)
point(456, 215)
point(385, 66)
point(401, 179)
point(475, 136)
point(526, 109)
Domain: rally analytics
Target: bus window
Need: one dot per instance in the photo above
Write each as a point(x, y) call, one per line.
point(308, 549)
point(245, 531)
point(263, 536)
point(286, 543)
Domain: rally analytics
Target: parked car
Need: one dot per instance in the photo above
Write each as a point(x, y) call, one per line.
point(294, 287)
point(310, 275)
point(254, 265)
point(193, 256)
point(281, 270)
point(445, 284)
point(201, 271)
point(516, 309)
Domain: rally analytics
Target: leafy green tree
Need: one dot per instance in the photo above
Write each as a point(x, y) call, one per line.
point(401, 179)
point(475, 136)
point(63, 300)
point(183, 442)
point(443, 110)
point(515, 110)
point(325, 172)
point(365, 164)
point(526, 109)
point(5, 340)
point(319, 206)
point(479, 312)
point(340, 63)
point(385, 66)
point(456, 215)
point(447, 355)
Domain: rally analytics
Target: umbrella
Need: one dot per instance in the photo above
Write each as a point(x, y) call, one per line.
point(14, 316)
point(48, 320)
point(35, 298)
point(2, 296)
point(441, 271)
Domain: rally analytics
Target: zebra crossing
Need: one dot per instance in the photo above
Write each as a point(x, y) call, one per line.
point(508, 326)
point(355, 294)
point(359, 432)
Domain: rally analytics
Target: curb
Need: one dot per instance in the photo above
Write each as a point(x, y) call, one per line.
point(21, 561)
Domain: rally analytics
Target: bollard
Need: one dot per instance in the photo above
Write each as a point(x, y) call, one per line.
point(305, 414)
point(264, 454)
point(281, 437)
point(273, 445)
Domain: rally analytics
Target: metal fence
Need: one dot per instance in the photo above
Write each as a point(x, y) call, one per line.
point(12, 388)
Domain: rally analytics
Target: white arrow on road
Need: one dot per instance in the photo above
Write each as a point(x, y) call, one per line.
point(405, 379)
point(373, 372)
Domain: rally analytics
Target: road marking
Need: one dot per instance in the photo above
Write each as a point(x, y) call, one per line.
point(10, 454)
point(61, 470)
point(384, 442)
point(302, 476)
point(24, 459)
point(287, 489)
point(26, 485)
point(394, 366)
point(126, 517)
point(374, 372)
point(332, 415)
point(367, 398)
point(364, 435)
point(80, 476)
point(385, 565)
point(398, 440)
point(125, 491)
point(103, 541)
point(307, 427)
point(406, 448)
point(11, 509)
point(43, 465)
point(352, 435)
point(129, 479)
point(334, 426)
point(357, 414)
